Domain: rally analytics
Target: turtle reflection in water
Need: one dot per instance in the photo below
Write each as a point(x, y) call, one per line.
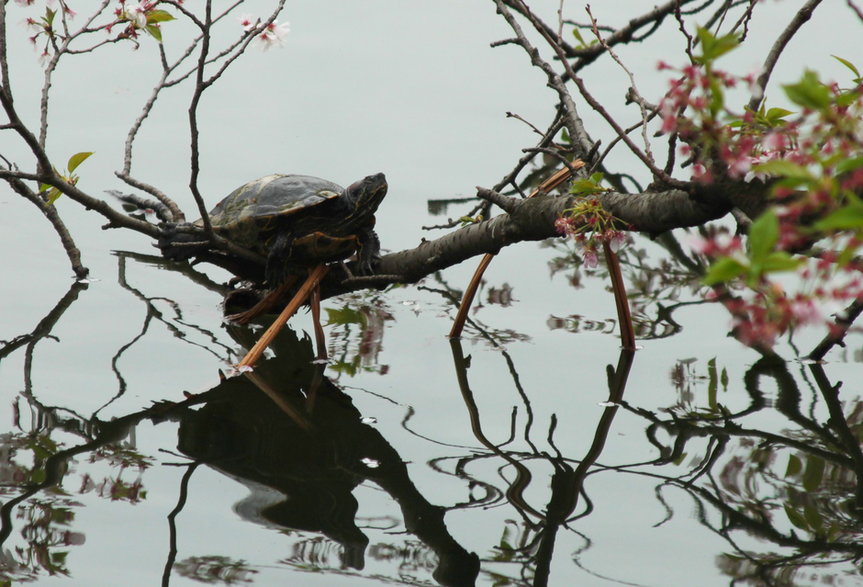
point(302, 448)
point(296, 222)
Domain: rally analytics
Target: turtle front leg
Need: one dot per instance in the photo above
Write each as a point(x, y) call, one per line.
point(369, 252)
point(276, 271)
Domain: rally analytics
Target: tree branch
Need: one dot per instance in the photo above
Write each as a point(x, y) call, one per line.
point(803, 15)
point(578, 135)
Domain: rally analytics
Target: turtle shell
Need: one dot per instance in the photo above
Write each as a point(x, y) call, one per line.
point(253, 214)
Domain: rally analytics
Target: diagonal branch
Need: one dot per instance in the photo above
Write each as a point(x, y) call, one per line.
point(657, 173)
point(573, 123)
point(803, 15)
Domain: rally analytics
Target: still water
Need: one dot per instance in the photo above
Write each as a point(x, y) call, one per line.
point(532, 452)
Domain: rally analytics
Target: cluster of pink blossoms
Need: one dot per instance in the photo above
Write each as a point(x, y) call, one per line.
point(812, 165)
point(765, 311)
point(590, 226)
point(134, 14)
point(693, 107)
point(761, 319)
point(273, 34)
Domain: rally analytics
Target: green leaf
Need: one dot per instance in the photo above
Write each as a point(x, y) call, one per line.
point(155, 16)
point(714, 47)
point(794, 466)
point(577, 34)
point(779, 261)
point(345, 315)
point(38, 476)
point(814, 473)
point(795, 518)
point(724, 269)
point(52, 196)
point(763, 235)
point(773, 117)
point(848, 217)
point(717, 96)
point(813, 518)
point(154, 31)
point(846, 165)
point(846, 255)
point(51, 193)
point(76, 160)
point(809, 92)
point(783, 168)
point(849, 65)
point(848, 97)
point(776, 113)
point(585, 187)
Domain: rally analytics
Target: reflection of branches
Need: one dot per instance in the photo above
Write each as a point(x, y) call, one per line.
point(46, 325)
point(55, 466)
point(654, 289)
point(567, 482)
point(172, 522)
point(836, 336)
point(497, 339)
point(821, 482)
point(153, 313)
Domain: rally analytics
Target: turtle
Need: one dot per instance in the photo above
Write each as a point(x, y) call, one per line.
point(295, 222)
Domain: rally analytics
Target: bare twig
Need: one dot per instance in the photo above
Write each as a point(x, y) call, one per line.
point(573, 122)
point(633, 89)
point(50, 213)
point(803, 15)
point(557, 83)
point(681, 26)
point(744, 20)
point(200, 86)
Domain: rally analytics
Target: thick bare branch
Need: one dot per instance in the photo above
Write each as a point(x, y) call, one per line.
point(533, 219)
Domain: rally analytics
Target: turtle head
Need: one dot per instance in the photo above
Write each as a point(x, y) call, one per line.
point(368, 193)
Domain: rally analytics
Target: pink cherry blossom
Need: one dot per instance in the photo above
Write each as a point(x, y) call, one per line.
point(247, 21)
point(273, 35)
point(591, 259)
